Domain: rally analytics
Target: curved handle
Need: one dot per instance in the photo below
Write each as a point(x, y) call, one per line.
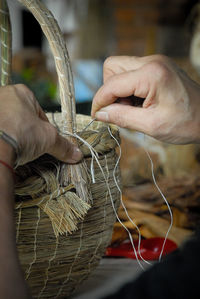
point(57, 44)
point(6, 44)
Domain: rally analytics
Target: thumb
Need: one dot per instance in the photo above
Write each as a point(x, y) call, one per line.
point(64, 150)
point(125, 116)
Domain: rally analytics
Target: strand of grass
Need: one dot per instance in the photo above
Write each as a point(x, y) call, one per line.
point(58, 47)
point(6, 44)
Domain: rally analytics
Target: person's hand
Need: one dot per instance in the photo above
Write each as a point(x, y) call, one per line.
point(23, 119)
point(171, 108)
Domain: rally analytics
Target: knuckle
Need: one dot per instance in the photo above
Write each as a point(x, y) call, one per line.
point(161, 58)
point(159, 69)
point(21, 86)
point(22, 89)
point(108, 61)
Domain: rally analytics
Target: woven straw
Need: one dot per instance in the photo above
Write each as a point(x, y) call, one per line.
point(64, 218)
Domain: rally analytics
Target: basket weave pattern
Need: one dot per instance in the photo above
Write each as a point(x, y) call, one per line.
point(64, 218)
point(55, 266)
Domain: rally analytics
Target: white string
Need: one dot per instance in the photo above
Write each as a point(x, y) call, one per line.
point(4, 72)
point(95, 156)
point(164, 198)
point(5, 61)
point(4, 44)
point(92, 150)
point(4, 12)
point(58, 58)
point(4, 29)
point(122, 203)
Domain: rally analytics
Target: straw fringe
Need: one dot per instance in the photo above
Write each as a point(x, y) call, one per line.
point(65, 212)
point(41, 184)
point(60, 238)
point(56, 265)
point(63, 207)
point(76, 174)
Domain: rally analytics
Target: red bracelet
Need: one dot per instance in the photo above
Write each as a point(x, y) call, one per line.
point(8, 166)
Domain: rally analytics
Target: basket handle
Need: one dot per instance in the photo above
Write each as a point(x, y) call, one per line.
point(6, 44)
point(57, 44)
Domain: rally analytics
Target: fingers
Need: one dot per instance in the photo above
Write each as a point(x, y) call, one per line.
point(62, 149)
point(47, 139)
point(28, 124)
point(40, 112)
point(144, 82)
point(126, 116)
point(118, 64)
point(27, 95)
point(121, 86)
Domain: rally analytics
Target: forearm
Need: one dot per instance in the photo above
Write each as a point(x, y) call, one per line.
point(6, 199)
point(24, 121)
point(12, 284)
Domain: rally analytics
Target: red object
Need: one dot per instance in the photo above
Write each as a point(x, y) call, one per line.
point(8, 166)
point(150, 249)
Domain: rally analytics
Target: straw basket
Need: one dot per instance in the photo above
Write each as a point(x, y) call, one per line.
point(64, 213)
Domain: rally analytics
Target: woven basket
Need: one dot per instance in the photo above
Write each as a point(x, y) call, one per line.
point(64, 213)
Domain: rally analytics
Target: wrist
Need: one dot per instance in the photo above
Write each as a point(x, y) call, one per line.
point(7, 153)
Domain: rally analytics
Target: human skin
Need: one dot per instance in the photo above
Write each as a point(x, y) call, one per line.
point(22, 118)
point(170, 100)
point(12, 283)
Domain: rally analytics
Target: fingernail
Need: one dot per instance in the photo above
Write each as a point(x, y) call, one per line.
point(102, 115)
point(76, 155)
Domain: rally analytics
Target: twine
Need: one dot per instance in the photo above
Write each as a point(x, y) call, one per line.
point(6, 44)
point(38, 185)
point(56, 229)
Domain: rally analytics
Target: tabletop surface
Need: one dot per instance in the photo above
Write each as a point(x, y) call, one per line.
point(108, 277)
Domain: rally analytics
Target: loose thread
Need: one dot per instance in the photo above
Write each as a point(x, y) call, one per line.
point(92, 150)
point(164, 198)
point(122, 203)
point(96, 157)
point(94, 119)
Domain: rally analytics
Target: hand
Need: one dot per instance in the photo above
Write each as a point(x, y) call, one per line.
point(22, 118)
point(171, 108)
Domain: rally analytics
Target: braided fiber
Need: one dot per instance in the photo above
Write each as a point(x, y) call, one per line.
point(64, 214)
point(61, 238)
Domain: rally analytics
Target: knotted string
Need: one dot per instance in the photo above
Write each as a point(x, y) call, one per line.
point(95, 157)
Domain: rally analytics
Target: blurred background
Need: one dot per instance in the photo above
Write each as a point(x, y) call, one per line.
point(95, 29)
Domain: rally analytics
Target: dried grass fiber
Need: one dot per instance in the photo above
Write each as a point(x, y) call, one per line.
point(64, 220)
point(55, 265)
